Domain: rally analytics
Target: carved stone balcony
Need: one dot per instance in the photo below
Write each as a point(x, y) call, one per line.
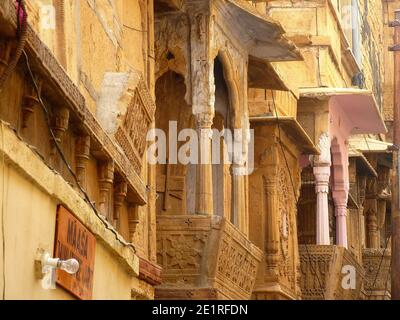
point(377, 274)
point(323, 272)
point(204, 257)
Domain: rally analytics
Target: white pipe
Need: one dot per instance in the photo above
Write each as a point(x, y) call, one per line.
point(356, 31)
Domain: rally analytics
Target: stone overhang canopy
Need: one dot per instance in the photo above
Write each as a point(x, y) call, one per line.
point(262, 75)
point(358, 105)
point(362, 163)
point(369, 145)
point(292, 128)
point(262, 36)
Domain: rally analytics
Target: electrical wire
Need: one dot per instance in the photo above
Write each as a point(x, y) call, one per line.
point(22, 34)
point(292, 183)
point(379, 267)
point(3, 236)
point(386, 244)
point(64, 160)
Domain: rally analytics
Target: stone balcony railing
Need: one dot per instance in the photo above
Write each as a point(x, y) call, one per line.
point(204, 257)
point(323, 271)
point(376, 264)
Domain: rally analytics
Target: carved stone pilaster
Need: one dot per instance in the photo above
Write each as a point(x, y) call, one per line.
point(239, 170)
point(204, 189)
point(30, 101)
point(106, 178)
point(203, 86)
point(372, 225)
point(120, 193)
point(340, 198)
point(59, 125)
point(272, 224)
point(82, 155)
point(322, 174)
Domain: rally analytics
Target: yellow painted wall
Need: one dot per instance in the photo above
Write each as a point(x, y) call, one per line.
point(29, 221)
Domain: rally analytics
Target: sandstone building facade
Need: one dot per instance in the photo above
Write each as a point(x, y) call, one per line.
point(311, 79)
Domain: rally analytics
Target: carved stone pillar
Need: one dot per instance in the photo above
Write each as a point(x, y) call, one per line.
point(362, 183)
point(106, 178)
point(82, 155)
point(371, 209)
point(372, 227)
point(322, 174)
point(120, 193)
point(238, 197)
point(381, 217)
point(59, 126)
point(340, 199)
point(203, 99)
point(240, 151)
point(204, 190)
point(270, 181)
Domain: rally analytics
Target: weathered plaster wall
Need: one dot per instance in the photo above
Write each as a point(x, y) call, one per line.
point(373, 49)
point(389, 15)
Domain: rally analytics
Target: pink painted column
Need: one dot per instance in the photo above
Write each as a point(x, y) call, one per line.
point(340, 199)
point(322, 174)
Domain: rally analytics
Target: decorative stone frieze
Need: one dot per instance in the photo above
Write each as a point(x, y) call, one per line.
point(321, 273)
point(376, 264)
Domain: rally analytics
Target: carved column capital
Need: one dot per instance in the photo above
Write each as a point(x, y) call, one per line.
point(204, 120)
point(324, 144)
point(322, 175)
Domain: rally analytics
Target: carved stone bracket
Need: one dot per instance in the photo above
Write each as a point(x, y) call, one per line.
point(133, 220)
point(60, 125)
point(120, 193)
point(106, 178)
point(30, 101)
point(82, 155)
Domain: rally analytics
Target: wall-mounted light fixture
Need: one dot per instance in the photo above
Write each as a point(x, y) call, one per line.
point(46, 267)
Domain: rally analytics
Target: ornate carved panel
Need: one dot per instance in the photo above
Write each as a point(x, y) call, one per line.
point(321, 273)
point(205, 252)
point(377, 280)
point(131, 135)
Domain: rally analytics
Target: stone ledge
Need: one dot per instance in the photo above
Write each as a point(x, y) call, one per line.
point(149, 272)
point(30, 165)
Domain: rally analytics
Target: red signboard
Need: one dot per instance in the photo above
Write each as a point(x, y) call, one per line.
point(74, 240)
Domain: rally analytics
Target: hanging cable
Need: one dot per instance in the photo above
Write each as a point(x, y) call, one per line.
point(3, 236)
point(22, 35)
point(292, 184)
point(379, 267)
point(64, 160)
